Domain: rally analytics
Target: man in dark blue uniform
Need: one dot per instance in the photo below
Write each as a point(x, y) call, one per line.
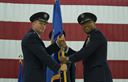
point(93, 53)
point(71, 67)
point(36, 55)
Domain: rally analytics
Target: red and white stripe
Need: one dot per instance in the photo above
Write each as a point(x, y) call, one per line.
point(112, 21)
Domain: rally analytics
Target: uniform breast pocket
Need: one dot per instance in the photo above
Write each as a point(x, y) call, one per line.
point(97, 74)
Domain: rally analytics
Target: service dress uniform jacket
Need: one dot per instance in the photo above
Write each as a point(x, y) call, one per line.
point(36, 58)
point(94, 56)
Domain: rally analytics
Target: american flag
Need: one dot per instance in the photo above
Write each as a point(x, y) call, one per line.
point(112, 21)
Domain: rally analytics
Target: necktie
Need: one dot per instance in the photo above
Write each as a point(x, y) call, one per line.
point(88, 39)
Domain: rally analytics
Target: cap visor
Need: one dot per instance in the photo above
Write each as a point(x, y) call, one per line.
point(85, 21)
point(41, 20)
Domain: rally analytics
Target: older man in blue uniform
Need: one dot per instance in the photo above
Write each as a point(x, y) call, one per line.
point(93, 53)
point(36, 55)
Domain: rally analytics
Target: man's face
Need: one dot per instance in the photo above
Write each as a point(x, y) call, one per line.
point(88, 27)
point(39, 26)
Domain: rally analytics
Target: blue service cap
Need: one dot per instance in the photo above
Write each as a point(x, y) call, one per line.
point(85, 17)
point(41, 16)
